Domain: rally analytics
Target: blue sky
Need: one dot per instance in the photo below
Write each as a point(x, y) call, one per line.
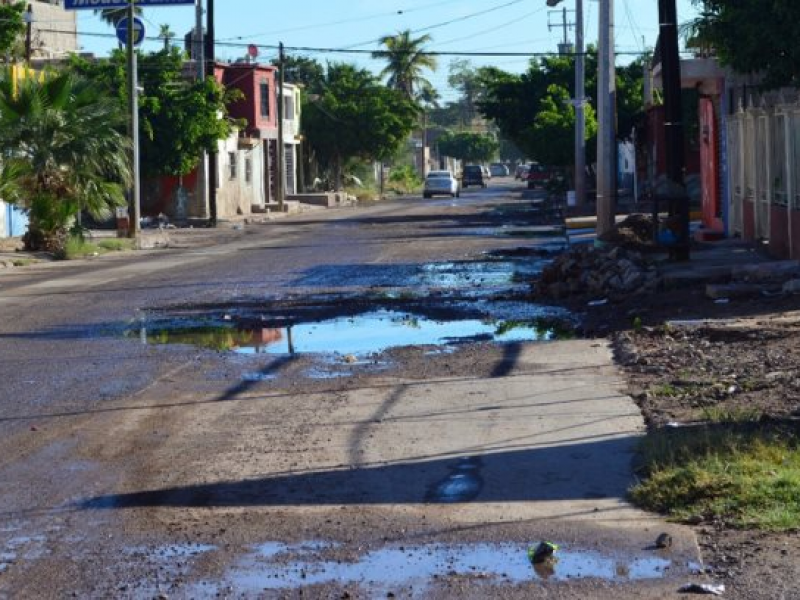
point(455, 25)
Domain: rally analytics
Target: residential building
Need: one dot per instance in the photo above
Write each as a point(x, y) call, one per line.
point(54, 30)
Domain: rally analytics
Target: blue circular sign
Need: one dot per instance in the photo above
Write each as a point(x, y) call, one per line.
point(138, 31)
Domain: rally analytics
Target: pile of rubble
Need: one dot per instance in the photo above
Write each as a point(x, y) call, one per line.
point(586, 270)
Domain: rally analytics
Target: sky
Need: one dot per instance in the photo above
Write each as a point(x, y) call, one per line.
point(494, 26)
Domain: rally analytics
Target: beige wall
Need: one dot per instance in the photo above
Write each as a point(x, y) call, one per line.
point(54, 31)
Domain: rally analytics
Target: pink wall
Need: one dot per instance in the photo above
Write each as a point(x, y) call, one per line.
point(247, 79)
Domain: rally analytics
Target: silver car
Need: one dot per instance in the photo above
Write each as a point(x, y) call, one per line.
point(441, 185)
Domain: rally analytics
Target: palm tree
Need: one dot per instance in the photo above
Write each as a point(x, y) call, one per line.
point(166, 34)
point(406, 60)
point(64, 151)
point(112, 16)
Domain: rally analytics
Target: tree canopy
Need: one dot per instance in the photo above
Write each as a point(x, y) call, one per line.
point(533, 109)
point(12, 26)
point(468, 146)
point(753, 36)
point(355, 116)
point(179, 118)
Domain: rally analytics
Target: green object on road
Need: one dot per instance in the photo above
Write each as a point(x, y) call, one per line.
point(541, 552)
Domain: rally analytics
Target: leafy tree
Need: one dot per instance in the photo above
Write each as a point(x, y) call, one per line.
point(514, 101)
point(407, 60)
point(303, 70)
point(471, 147)
point(60, 136)
point(12, 26)
point(179, 118)
point(753, 36)
point(356, 117)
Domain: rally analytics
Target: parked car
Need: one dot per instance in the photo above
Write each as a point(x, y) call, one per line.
point(538, 175)
point(498, 170)
point(441, 185)
point(473, 175)
point(487, 174)
point(521, 172)
point(439, 174)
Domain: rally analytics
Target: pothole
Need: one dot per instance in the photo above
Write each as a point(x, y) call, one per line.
point(276, 566)
point(363, 334)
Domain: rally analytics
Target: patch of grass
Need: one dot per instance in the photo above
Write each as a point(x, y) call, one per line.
point(666, 390)
point(747, 476)
point(721, 414)
point(24, 262)
point(115, 244)
point(77, 247)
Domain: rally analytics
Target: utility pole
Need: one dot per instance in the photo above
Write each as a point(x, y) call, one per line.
point(606, 127)
point(29, 33)
point(579, 101)
point(281, 180)
point(580, 108)
point(677, 199)
point(210, 59)
point(133, 100)
point(199, 54)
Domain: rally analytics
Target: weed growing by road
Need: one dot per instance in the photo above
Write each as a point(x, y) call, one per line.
point(747, 475)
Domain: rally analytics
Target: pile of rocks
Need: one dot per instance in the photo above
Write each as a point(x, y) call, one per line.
point(586, 270)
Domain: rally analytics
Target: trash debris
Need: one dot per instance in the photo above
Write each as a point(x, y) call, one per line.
point(541, 552)
point(722, 301)
point(350, 359)
point(715, 589)
point(674, 425)
point(598, 302)
point(664, 541)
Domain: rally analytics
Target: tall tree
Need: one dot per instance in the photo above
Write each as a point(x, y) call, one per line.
point(753, 36)
point(303, 70)
point(407, 59)
point(12, 26)
point(356, 117)
point(61, 136)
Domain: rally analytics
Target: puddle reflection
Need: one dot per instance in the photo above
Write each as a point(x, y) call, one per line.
point(279, 566)
point(357, 335)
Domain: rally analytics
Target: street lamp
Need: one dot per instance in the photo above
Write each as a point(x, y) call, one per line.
point(580, 103)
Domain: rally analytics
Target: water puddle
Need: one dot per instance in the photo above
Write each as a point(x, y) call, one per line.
point(277, 566)
point(357, 335)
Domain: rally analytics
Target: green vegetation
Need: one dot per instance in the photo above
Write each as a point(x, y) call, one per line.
point(468, 146)
point(12, 26)
point(404, 180)
point(406, 60)
point(355, 117)
point(179, 118)
point(78, 247)
point(746, 475)
point(65, 152)
point(750, 36)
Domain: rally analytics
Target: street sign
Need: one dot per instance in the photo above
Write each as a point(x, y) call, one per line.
point(138, 31)
point(100, 4)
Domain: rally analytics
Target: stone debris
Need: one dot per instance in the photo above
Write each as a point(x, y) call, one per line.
point(599, 272)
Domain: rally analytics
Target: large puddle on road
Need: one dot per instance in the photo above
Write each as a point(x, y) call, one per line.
point(358, 335)
point(411, 570)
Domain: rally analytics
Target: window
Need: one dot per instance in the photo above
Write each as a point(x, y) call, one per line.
point(288, 108)
point(248, 170)
point(232, 166)
point(264, 93)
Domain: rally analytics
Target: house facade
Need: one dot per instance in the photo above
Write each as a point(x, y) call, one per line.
point(246, 168)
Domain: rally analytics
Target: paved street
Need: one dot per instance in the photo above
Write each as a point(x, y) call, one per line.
point(235, 417)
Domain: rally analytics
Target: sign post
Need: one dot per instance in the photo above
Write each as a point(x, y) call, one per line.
point(132, 36)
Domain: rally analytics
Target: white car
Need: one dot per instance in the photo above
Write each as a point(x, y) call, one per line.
point(433, 174)
point(441, 185)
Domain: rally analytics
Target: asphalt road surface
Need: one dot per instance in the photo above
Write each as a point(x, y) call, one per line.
point(352, 403)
